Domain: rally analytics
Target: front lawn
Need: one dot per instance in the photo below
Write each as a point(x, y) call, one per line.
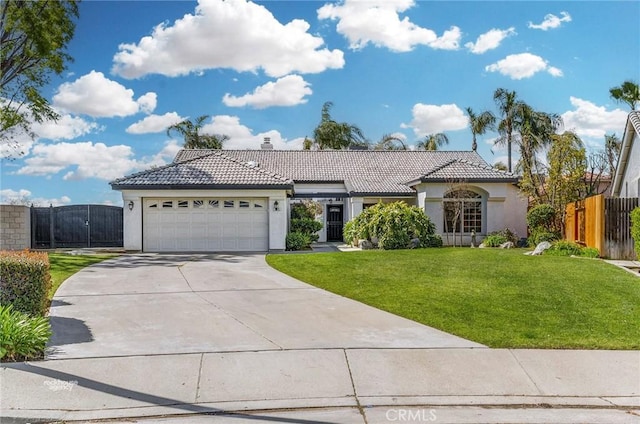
point(500, 298)
point(64, 266)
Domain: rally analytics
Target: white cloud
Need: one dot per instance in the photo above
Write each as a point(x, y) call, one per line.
point(66, 128)
point(286, 91)
point(489, 40)
point(589, 120)
point(95, 95)
point(431, 119)
point(24, 197)
point(234, 34)
point(378, 22)
point(154, 123)
point(522, 65)
point(91, 160)
point(242, 137)
point(551, 21)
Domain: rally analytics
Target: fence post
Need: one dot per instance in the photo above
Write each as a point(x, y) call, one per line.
point(88, 225)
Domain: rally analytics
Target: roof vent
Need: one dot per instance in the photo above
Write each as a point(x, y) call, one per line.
point(267, 144)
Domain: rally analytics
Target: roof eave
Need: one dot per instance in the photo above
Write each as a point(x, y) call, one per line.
point(201, 186)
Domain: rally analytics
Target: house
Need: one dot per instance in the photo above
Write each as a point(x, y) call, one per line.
point(239, 200)
point(626, 180)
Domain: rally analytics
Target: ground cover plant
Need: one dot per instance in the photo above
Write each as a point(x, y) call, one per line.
point(501, 298)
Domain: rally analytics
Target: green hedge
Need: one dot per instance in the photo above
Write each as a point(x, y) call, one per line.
point(635, 229)
point(25, 281)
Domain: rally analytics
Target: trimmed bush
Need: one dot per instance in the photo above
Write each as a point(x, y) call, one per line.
point(507, 234)
point(539, 235)
point(635, 229)
point(568, 248)
point(541, 216)
point(307, 226)
point(393, 224)
point(22, 337)
point(494, 240)
point(25, 281)
point(433, 240)
point(297, 241)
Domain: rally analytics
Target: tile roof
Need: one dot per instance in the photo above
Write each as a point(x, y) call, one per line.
point(215, 170)
point(362, 171)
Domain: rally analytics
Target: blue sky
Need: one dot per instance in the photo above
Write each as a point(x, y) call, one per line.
point(265, 69)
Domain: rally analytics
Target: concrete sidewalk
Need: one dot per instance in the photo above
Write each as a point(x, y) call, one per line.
point(348, 385)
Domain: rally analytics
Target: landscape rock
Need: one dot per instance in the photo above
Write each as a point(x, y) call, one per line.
point(365, 245)
point(507, 245)
point(482, 246)
point(414, 243)
point(541, 247)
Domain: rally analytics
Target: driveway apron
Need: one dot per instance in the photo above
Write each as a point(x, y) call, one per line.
point(149, 304)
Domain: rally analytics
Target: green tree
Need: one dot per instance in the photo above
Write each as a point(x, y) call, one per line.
point(628, 93)
point(535, 131)
point(612, 146)
point(567, 165)
point(479, 124)
point(33, 41)
point(193, 139)
point(390, 142)
point(330, 134)
point(508, 106)
point(433, 141)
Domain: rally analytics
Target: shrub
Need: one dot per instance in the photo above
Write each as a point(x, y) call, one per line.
point(494, 240)
point(307, 226)
point(564, 248)
point(22, 337)
point(539, 235)
point(635, 229)
point(433, 240)
point(590, 252)
point(297, 241)
point(507, 234)
point(393, 224)
point(25, 281)
point(541, 216)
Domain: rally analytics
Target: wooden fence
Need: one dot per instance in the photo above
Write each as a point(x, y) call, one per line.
point(76, 226)
point(602, 223)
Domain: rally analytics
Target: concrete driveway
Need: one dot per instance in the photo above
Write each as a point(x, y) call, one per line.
point(150, 304)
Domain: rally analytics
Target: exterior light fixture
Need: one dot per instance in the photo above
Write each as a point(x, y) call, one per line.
point(276, 206)
point(130, 205)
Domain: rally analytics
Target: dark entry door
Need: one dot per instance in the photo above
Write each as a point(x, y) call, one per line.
point(334, 222)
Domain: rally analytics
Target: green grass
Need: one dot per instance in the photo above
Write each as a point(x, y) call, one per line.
point(64, 266)
point(500, 298)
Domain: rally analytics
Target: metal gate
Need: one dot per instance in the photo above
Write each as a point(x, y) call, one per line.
point(76, 226)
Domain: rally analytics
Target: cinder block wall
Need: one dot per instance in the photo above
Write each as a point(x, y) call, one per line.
point(15, 227)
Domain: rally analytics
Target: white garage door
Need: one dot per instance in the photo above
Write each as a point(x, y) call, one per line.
point(205, 225)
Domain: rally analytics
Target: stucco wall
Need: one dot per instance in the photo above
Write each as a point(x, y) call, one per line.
point(505, 207)
point(631, 179)
point(15, 227)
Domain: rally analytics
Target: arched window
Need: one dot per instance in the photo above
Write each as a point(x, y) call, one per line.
point(462, 211)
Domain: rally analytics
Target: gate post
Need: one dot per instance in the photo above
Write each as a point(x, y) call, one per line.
point(52, 228)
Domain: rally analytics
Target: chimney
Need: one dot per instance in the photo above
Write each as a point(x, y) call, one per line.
point(267, 144)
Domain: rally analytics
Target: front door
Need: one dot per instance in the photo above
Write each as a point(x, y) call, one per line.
point(334, 222)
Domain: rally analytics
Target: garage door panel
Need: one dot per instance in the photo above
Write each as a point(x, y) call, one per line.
point(206, 225)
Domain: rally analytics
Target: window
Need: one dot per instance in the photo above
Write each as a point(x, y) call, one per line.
point(462, 211)
point(214, 203)
point(229, 203)
point(198, 204)
point(244, 204)
point(153, 205)
point(258, 205)
point(167, 204)
point(183, 203)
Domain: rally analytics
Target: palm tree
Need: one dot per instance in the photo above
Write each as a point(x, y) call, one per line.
point(433, 141)
point(190, 131)
point(330, 134)
point(508, 105)
point(628, 93)
point(479, 124)
point(390, 142)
